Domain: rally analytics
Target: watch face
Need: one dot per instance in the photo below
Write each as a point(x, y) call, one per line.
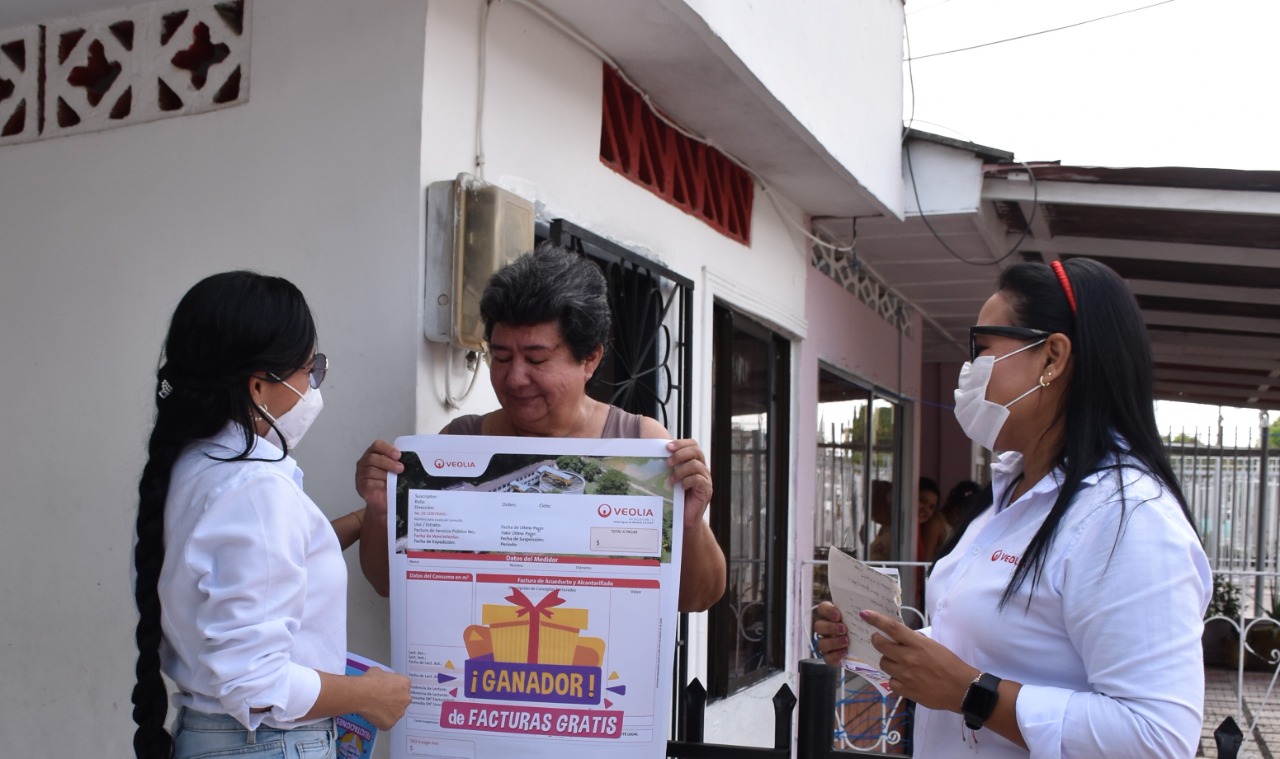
point(980, 700)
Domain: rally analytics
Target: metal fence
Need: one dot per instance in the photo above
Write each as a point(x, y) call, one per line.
point(1232, 486)
point(867, 723)
point(1231, 480)
point(817, 701)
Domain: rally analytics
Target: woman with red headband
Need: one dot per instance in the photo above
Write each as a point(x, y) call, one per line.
point(1066, 612)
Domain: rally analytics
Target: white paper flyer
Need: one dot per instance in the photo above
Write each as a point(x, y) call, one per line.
point(533, 596)
point(854, 587)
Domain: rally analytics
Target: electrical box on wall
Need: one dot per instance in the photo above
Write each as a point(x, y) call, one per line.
point(473, 229)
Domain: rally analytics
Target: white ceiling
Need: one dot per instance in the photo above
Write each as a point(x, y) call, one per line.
point(1199, 248)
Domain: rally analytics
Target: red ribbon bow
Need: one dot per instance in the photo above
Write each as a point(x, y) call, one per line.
point(535, 612)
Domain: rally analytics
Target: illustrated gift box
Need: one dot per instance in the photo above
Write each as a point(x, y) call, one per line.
point(535, 633)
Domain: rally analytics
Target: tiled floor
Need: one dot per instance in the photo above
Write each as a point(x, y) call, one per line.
point(1220, 702)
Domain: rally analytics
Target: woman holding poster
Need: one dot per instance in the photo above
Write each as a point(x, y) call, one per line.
point(241, 586)
point(546, 321)
point(1066, 615)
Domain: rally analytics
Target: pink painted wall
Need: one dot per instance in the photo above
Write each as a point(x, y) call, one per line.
point(846, 334)
point(944, 449)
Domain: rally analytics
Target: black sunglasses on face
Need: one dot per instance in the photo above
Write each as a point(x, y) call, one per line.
point(319, 367)
point(1018, 333)
point(315, 373)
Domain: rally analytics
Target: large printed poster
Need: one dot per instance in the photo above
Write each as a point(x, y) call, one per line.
point(533, 596)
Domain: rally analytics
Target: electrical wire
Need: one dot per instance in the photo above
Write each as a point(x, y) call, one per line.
point(911, 80)
point(915, 188)
point(1026, 229)
point(473, 365)
point(942, 331)
point(1035, 34)
point(480, 87)
point(604, 57)
point(958, 134)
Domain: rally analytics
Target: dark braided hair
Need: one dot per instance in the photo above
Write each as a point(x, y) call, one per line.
point(227, 328)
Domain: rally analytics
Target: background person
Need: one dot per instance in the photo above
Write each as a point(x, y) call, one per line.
point(931, 531)
point(881, 548)
point(958, 502)
point(241, 585)
point(1066, 618)
point(546, 318)
point(931, 526)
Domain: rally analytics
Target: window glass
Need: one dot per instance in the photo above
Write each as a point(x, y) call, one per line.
point(750, 471)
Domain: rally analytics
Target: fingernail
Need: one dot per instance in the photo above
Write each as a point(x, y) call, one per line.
point(840, 629)
point(866, 615)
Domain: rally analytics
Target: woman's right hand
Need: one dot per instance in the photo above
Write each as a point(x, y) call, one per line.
point(833, 638)
point(371, 483)
point(386, 697)
point(371, 475)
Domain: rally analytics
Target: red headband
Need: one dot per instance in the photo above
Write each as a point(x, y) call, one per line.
point(1066, 284)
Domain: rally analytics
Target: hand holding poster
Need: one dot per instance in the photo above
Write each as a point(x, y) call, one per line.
point(533, 595)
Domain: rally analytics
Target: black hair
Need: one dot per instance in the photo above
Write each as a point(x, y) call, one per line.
point(227, 328)
point(929, 485)
point(961, 493)
point(551, 284)
point(1108, 416)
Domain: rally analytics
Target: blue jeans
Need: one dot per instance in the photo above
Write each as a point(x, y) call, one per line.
point(197, 735)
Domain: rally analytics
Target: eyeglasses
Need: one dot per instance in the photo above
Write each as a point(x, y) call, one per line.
point(315, 373)
point(319, 367)
point(1018, 333)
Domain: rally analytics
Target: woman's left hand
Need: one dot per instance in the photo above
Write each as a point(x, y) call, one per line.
point(689, 469)
point(919, 669)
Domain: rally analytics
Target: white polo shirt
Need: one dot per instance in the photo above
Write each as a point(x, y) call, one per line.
point(253, 589)
point(1108, 648)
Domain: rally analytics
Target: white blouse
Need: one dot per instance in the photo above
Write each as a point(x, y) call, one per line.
point(253, 588)
point(1107, 647)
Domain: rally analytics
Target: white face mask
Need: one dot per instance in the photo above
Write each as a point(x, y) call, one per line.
point(295, 422)
point(980, 418)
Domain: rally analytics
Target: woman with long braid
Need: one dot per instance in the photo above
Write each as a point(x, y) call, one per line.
point(241, 585)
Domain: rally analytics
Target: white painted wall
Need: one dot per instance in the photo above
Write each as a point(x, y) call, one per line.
point(831, 65)
point(541, 136)
point(315, 179)
point(319, 178)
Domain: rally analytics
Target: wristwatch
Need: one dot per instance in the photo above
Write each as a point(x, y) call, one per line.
point(980, 700)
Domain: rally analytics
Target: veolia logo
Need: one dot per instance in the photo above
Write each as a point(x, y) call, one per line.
point(605, 511)
point(1007, 558)
point(445, 464)
point(458, 467)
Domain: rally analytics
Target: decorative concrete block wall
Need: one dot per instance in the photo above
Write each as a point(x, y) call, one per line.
point(120, 67)
point(845, 268)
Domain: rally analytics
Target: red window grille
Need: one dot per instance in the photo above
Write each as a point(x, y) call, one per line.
point(688, 174)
